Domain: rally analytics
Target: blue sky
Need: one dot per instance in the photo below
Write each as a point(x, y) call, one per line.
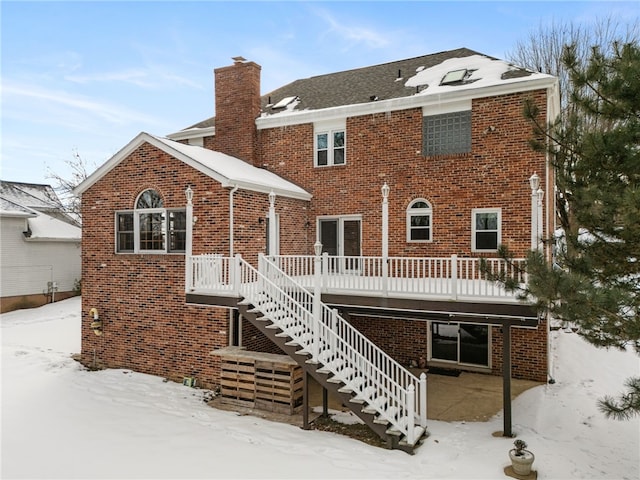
point(89, 76)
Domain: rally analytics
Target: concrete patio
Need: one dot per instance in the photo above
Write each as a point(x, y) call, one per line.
point(471, 397)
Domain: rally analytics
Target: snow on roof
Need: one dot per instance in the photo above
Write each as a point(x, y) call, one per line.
point(227, 170)
point(482, 71)
point(9, 208)
point(46, 228)
point(32, 195)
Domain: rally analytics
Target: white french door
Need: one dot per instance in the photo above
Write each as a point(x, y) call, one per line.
point(341, 237)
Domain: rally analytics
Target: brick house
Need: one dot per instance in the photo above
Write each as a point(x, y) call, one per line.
point(404, 174)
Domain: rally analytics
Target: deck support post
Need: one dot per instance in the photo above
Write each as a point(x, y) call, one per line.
point(506, 379)
point(305, 401)
point(325, 402)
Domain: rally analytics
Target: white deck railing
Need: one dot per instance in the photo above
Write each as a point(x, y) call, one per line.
point(395, 393)
point(449, 277)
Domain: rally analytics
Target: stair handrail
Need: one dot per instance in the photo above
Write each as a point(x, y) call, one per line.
point(405, 392)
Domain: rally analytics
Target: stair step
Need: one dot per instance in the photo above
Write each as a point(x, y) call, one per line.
point(385, 415)
point(418, 434)
point(376, 405)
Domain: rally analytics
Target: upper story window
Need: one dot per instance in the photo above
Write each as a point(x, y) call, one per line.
point(330, 144)
point(419, 221)
point(446, 133)
point(151, 228)
point(486, 229)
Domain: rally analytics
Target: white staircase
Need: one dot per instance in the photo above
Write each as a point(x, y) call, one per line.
point(384, 394)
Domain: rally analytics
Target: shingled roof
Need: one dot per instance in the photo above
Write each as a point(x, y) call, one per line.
point(358, 86)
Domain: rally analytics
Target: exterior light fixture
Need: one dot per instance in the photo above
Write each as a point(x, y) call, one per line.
point(189, 194)
point(272, 198)
point(317, 248)
point(385, 190)
point(534, 182)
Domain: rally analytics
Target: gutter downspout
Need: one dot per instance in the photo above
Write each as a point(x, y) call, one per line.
point(231, 192)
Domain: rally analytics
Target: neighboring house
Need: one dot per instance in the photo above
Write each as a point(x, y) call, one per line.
point(405, 174)
point(39, 247)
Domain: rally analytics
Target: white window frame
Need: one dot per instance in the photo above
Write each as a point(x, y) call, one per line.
point(476, 211)
point(419, 212)
point(136, 213)
point(329, 129)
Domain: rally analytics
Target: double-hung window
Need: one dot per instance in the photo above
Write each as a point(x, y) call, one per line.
point(150, 228)
point(330, 144)
point(419, 221)
point(486, 225)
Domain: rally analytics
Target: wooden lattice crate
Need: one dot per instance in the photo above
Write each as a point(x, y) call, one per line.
point(237, 380)
point(278, 386)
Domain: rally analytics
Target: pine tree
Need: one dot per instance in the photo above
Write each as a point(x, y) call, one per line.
point(593, 282)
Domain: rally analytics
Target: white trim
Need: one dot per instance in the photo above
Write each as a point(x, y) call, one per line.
point(449, 107)
point(473, 227)
point(329, 132)
point(193, 133)
point(423, 212)
point(171, 148)
point(419, 100)
point(340, 219)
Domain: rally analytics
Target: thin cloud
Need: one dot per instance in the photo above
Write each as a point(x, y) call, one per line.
point(111, 113)
point(353, 34)
point(151, 77)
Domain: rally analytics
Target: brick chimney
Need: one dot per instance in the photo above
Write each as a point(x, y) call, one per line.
point(237, 93)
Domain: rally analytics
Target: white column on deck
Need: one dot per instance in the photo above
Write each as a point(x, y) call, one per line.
point(534, 183)
point(385, 237)
point(188, 247)
point(272, 225)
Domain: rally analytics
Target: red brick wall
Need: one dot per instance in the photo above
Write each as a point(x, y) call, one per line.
point(406, 340)
point(140, 297)
point(237, 106)
point(387, 147)
point(529, 355)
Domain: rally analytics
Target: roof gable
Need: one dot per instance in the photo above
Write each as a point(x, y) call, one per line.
point(225, 169)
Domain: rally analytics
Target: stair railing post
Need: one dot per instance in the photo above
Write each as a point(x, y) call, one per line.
point(334, 325)
point(236, 279)
point(454, 276)
point(317, 304)
point(410, 413)
point(325, 269)
point(423, 400)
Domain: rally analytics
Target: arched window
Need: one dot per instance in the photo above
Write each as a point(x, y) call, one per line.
point(419, 225)
point(151, 228)
point(149, 199)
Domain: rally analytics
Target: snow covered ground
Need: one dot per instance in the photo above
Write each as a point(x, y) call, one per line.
point(61, 421)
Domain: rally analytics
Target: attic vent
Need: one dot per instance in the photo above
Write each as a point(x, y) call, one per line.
point(455, 76)
point(284, 102)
